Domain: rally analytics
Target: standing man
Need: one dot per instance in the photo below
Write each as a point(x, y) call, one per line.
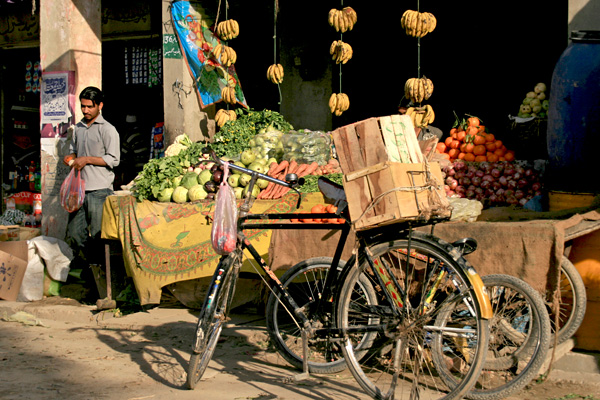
point(95, 151)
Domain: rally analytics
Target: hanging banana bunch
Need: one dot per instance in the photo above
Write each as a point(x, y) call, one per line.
point(224, 115)
point(340, 52)
point(342, 20)
point(417, 24)
point(228, 95)
point(225, 54)
point(338, 103)
point(228, 29)
point(421, 116)
point(418, 89)
point(275, 73)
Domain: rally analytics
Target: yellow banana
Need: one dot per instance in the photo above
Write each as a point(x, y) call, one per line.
point(333, 102)
point(331, 16)
point(217, 50)
point(428, 84)
point(236, 28)
point(232, 115)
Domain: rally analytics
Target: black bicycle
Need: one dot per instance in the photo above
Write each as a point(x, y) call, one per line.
point(402, 303)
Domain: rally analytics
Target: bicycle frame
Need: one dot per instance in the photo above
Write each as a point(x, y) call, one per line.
point(275, 283)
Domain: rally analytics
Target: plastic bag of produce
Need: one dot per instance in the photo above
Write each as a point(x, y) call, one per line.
point(267, 145)
point(72, 191)
point(313, 146)
point(224, 230)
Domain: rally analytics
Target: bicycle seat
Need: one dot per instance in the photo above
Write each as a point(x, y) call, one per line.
point(332, 192)
point(465, 245)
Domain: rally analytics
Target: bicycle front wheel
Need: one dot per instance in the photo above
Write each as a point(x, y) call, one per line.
point(425, 304)
point(212, 317)
point(305, 283)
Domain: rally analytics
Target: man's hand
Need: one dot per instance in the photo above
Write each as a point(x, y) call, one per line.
point(68, 158)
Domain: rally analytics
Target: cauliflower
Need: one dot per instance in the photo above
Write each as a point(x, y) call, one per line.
point(174, 149)
point(183, 139)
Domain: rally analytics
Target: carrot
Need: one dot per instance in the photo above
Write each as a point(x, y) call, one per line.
point(310, 168)
point(263, 193)
point(293, 167)
point(282, 165)
point(277, 188)
point(301, 168)
point(272, 168)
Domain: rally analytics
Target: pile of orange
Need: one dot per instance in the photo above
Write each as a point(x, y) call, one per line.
point(470, 141)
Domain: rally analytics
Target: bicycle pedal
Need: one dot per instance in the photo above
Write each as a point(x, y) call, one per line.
point(301, 377)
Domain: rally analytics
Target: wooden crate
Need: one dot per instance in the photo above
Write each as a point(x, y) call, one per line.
point(370, 172)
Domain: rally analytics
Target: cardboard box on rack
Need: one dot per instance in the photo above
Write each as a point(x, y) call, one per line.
point(387, 179)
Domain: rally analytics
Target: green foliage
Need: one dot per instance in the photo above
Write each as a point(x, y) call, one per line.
point(158, 173)
point(234, 136)
point(311, 185)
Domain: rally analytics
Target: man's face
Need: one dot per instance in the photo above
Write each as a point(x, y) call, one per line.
point(90, 110)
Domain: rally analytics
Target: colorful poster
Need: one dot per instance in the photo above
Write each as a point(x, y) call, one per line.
point(197, 42)
point(57, 102)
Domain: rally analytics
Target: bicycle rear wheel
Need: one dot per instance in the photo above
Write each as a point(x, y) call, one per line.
point(425, 304)
point(571, 308)
point(519, 338)
point(304, 283)
point(212, 317)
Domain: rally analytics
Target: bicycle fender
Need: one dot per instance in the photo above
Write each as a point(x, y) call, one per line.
point(481, 293)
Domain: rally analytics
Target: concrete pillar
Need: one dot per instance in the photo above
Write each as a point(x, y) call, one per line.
point(70, 40)
point(181, 104)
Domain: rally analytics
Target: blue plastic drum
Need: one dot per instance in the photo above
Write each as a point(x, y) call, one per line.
point(573, 136)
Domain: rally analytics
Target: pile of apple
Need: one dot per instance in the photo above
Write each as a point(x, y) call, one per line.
point(536, 103)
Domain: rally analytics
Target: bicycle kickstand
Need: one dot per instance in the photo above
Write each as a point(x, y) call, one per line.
point(305, 374)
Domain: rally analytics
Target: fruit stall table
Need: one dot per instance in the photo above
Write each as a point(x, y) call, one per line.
point(169, 243)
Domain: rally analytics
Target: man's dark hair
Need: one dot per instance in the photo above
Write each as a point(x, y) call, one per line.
point(92, 93)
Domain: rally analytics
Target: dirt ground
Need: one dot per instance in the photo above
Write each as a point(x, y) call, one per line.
point(144, 356)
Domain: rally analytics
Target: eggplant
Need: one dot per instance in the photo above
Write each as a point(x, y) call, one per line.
point(217, 176)
point(210, 187)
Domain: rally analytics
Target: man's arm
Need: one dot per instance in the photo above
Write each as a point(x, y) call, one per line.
point(80, 162)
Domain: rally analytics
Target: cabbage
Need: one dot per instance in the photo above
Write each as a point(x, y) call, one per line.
point(177, 181)
point(197, 192)
point(189, 179)
point(180, 195)
point(165, 195)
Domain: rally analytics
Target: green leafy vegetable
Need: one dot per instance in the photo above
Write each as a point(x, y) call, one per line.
point(311, 185)
point(234, 136)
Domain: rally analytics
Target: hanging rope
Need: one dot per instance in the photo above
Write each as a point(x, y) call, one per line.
point(275, 13)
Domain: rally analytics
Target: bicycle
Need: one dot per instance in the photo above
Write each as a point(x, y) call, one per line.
point(386, 308)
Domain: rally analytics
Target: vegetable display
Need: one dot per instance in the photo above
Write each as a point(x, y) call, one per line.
point(535, 103)
point(234, 136)
point(498, 183)
point(469, 140)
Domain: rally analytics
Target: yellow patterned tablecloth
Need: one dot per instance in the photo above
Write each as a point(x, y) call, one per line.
point(165, 243)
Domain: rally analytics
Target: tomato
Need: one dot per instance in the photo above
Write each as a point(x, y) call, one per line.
point(469, 157)
point(479, 139)
point(473, 121)
point(455, 144)
point(441, 147)
point(318, 209)
point(479, 150)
